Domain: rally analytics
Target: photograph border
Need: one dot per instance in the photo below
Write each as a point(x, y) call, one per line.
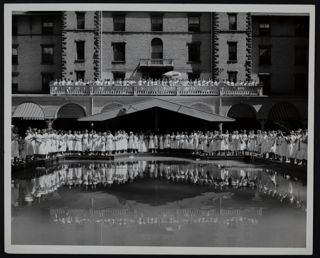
point(165, 7)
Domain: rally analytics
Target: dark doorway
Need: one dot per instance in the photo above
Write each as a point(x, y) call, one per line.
point(23, 124)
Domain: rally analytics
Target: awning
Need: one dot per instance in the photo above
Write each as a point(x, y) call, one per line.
point(28, 110)
point(155, 102)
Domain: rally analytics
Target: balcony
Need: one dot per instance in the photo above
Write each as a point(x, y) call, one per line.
point(156, 63)
point(178, 89)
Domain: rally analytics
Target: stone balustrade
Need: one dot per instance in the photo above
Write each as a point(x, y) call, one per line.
point(134, 90)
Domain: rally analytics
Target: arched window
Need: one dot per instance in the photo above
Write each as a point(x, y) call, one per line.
point(156, 49)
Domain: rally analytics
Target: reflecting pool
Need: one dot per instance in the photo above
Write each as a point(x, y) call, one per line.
point(159, 202)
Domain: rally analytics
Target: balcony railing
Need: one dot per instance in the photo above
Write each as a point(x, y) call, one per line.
point(156, 63)
point(136, 90)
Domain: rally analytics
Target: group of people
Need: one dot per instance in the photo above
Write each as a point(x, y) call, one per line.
point(153, 82)
point(96, 175)
point(285, 147)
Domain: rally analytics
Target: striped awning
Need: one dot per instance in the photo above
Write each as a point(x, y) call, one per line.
point(160, 103)
point(28, 111)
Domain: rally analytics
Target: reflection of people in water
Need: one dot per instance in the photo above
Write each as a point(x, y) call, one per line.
point(95, 175)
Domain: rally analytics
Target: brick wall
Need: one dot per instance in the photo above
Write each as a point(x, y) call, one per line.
point(29, 39)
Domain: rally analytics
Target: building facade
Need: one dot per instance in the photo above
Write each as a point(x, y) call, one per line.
point(269, 48)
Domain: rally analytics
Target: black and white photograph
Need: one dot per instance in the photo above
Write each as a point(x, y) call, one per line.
point(159, 128)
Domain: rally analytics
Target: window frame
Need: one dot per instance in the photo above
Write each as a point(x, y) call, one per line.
point(230, 44)
point(80, 60)
point(264, 31)
point(45, 30)
point(77, 72)
point(15, 61)
point(233, 72)
point(198, 49)
point(268, 48)
point(235, 23)
point(43, 59)
point(114, 44)
point(79, 20)
point(155, 16)
point(194, 27)
point(117, 16)
point(42, 84)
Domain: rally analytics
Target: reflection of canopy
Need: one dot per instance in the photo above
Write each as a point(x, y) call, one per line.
point(175, 107)
point(29, 110)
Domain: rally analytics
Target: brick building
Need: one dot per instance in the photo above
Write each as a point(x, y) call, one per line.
point(271, 48)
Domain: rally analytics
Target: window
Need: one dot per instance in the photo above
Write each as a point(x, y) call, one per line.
point(80, 20)
point(14, 88)
point(194, 52)
point(14, 83)
point(300, 55)
point(156, 49)
point(14, 26)
point(119, 23)
point(193, 76)
point(194, 23)
point(47, 25)
point(232, 47)
point(232, 21)
point(80, 75)
point(264, 55)
point(264, 28)
point(119, 52)
point(301, 84)
point(45, 81)
point(232, 76)
point(119, 75)
point(47, 54)
point(80, 50)
point(156, 22)
point(265, 79)
point(14, 55)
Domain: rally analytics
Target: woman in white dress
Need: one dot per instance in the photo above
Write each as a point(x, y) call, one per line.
point(78, 142)
point(135, 143)
point(103, 143)
point(14, 146)
point(151, 146)
point(109, 144)
point(161, 144)
point(85, 141)
point(130, 142)
point(70, 140)
point(166, 145)
point(290, 146)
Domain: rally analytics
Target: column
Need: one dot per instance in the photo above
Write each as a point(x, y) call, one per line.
point(220, 127)
point(262, 123)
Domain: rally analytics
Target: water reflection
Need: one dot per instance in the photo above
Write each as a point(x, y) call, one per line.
point(158, 203)
point(110, 176)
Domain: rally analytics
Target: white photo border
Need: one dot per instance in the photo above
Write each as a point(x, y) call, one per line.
point(64, 249)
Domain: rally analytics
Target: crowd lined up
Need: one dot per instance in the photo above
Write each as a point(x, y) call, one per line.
point(152, 82)
point(96, 175)
point(285, 147)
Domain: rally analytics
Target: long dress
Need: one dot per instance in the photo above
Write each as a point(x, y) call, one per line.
point(70, 138)
point(151, 142)
point(14, 146)
point(109, 144)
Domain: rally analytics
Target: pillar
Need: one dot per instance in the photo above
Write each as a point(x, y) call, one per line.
point(220, 127)
point(262, 123)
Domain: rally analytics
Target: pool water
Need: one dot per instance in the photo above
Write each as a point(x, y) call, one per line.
point(159, 203)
